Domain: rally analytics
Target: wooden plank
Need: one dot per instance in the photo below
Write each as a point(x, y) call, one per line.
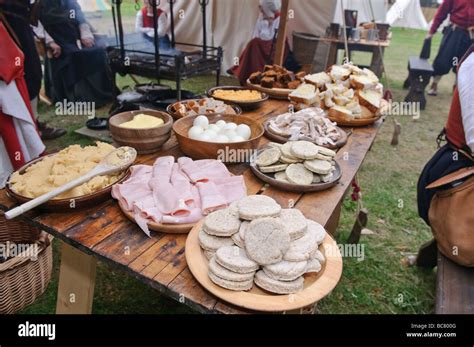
point(454, 288)
point(76, 282)
point(281, 39)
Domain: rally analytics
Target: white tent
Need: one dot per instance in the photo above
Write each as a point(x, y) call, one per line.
point(230, 23)
point(407, 14)
point(364, 12)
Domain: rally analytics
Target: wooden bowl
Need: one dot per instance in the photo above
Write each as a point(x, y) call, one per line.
point(143, 140)
point(246, 105)
point(316, 285)
point(64, 205)
point(236, 152)
point(171, 109)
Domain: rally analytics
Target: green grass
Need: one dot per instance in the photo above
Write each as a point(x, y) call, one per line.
point(382, 282)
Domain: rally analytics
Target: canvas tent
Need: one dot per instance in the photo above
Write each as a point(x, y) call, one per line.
point(230, 23)
point(407, 14)
point(364, 12)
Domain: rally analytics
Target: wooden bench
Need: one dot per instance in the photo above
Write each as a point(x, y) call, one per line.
point(454, 283)
point(420, 72)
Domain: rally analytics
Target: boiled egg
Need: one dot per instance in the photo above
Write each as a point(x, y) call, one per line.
point(221, 124)
point(236, 138)
point(230, 126)
point(204, 137)
point(214, 128)
point(244, 131)
point(221, 139)
point(201, 121)
point(212, 134)
point(194, 132)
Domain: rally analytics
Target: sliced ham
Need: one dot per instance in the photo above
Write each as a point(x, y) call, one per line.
point(205, 170)
point(177, 193)
point(211, 198)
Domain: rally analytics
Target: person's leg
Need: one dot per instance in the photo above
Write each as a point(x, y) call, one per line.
point(47, 132)
point(443, 62)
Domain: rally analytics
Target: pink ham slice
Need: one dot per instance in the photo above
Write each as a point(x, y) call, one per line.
point(211, 198)
point(232, 188)
point(181, 184)
point(204, 170)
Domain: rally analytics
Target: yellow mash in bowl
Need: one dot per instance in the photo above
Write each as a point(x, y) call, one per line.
point(56, 170)
point(237, 95)
point(143, 121)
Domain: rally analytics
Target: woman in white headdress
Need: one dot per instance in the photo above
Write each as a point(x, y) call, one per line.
point(261, 49)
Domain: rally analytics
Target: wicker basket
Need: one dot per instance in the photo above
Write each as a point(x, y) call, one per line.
point(17, 231)
point(304, 48)
point(23, 280)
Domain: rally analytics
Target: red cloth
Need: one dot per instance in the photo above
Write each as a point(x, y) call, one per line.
point(148, 20)
point(461, 13)
point(12, 71)
point(454, 126)
point(254, 58)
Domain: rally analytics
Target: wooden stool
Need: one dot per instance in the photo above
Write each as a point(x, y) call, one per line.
point(420, 72)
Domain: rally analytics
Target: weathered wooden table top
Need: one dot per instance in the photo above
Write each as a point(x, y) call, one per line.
point(104, 232)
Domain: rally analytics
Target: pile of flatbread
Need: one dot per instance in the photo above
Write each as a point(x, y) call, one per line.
point(298, 162)
point(255, 241)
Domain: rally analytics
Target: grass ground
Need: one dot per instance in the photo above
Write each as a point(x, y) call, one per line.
point(383, 282)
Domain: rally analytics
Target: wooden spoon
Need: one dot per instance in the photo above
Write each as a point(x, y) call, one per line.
point(116, 161)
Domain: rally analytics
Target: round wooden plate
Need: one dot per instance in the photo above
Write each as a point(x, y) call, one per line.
point(176, 116)
point(64, 205)
point(316, 286)
point(274, 93)
point(281, 139)
point(159, 227)
point(298, 188)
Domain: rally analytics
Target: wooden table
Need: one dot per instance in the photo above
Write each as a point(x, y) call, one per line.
point(104, 233)
point(377, 48)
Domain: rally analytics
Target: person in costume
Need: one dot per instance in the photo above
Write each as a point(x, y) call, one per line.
point(144, 24)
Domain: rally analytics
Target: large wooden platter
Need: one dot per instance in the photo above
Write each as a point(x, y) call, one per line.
point(316, 286)
point(355, 122)
point(61, 205)
point(298, 188)
point(245, 105)
point(159, 227)
point(274, 93)
point(281, 139)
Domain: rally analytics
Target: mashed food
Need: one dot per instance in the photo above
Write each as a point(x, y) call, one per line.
point(61, 168)
point(237, 95)
point(143, 121)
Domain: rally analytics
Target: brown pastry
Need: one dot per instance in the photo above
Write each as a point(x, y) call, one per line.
point(294, 84)
point(255, 78)
point(267, 82)
point(300, 75)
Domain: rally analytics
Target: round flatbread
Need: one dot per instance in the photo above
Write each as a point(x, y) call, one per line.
point(273, 168)
point(323, 157)
point(222, 223)
point(319, 256)
point(327, 178)
point(317, 179)
point(298, 174)
point(266, 241)
point(243, 227)
point(231, 285)
point(305, 247)
point(268, 157)
point(228, 275)
point(286, 271)
point(213, 243)
point(286, 160)
point(238, 240)
point(281, 176)
point(235, 259)
point(304, 150)
point(313, 266)
point(286, 151)
point(209, 255)
point(320, 167)
point(258, 206)
point(326, 151)
point(278, 287)
point(318, 230)
point(294, 221)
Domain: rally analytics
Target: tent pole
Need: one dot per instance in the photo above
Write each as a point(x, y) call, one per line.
point(154, 3)
point(117, 4)
point(204, 4)
point(281, 39)
point(344, 27)
point(173, 39)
